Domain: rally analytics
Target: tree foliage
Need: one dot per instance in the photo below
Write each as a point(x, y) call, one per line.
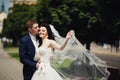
point(80, 15)
point(110, 20)
point(14, 24)
point(92, 20)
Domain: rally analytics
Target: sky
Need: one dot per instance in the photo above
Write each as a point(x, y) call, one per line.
point(6, 4)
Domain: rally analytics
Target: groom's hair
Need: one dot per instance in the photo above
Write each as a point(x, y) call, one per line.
point(30, 23)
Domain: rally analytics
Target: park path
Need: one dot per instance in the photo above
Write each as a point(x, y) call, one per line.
point(10, 68)
point(112, 58)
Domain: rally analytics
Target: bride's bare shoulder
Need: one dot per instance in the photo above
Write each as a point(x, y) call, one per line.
point(52, 43)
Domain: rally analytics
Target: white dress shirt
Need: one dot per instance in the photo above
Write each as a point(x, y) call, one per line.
point(35, 42)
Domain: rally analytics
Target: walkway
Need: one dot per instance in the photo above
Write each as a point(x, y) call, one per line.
point(111, 57)
point(10, 69)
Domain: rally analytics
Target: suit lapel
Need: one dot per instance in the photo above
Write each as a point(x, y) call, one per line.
point(30, 40)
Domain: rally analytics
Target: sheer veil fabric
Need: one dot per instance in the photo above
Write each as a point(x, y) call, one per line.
point(77, 63)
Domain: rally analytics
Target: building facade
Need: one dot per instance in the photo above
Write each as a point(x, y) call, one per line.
point(3, 15)
point(12, 2)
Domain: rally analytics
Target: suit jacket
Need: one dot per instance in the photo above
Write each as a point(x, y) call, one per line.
point(27, 53)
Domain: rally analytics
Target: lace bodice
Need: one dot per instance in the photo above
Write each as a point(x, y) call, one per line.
point(45, 53)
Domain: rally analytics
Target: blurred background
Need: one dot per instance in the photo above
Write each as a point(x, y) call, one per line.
point(93, 20)
point(96, 22)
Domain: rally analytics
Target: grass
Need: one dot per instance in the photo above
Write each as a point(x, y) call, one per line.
point(13, 52)
point(11, 49)
point(14, 55)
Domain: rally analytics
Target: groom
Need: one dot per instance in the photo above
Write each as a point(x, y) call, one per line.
point(27, 50)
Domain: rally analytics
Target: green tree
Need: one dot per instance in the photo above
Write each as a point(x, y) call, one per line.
point(79, 15)
point(14, 24)
point(110, 20)
point(92, 20)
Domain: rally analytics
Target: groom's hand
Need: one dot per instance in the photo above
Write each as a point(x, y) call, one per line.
point(38, 64)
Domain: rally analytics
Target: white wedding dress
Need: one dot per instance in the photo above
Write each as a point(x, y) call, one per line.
point(75, 62)
point(45, 71)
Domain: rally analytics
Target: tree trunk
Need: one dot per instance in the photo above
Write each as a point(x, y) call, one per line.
point(88, 45)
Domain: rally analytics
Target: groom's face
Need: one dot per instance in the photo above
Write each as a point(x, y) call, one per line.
point(34, 29)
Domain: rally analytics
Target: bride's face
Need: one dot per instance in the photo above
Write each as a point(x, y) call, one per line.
point(43, 32)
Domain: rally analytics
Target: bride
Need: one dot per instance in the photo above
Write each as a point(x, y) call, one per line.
point(65, 58)
point(45, 71)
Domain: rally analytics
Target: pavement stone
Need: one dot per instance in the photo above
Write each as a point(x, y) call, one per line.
point(10, 68)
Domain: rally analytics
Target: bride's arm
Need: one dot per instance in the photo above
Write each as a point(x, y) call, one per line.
point(62, 46)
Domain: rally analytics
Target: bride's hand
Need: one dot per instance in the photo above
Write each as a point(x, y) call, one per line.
point(69, 34)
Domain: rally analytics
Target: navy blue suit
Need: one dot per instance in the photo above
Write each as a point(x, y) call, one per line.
point(27, 53)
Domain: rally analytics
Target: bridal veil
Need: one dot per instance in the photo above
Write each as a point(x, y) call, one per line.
point(75, 62)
